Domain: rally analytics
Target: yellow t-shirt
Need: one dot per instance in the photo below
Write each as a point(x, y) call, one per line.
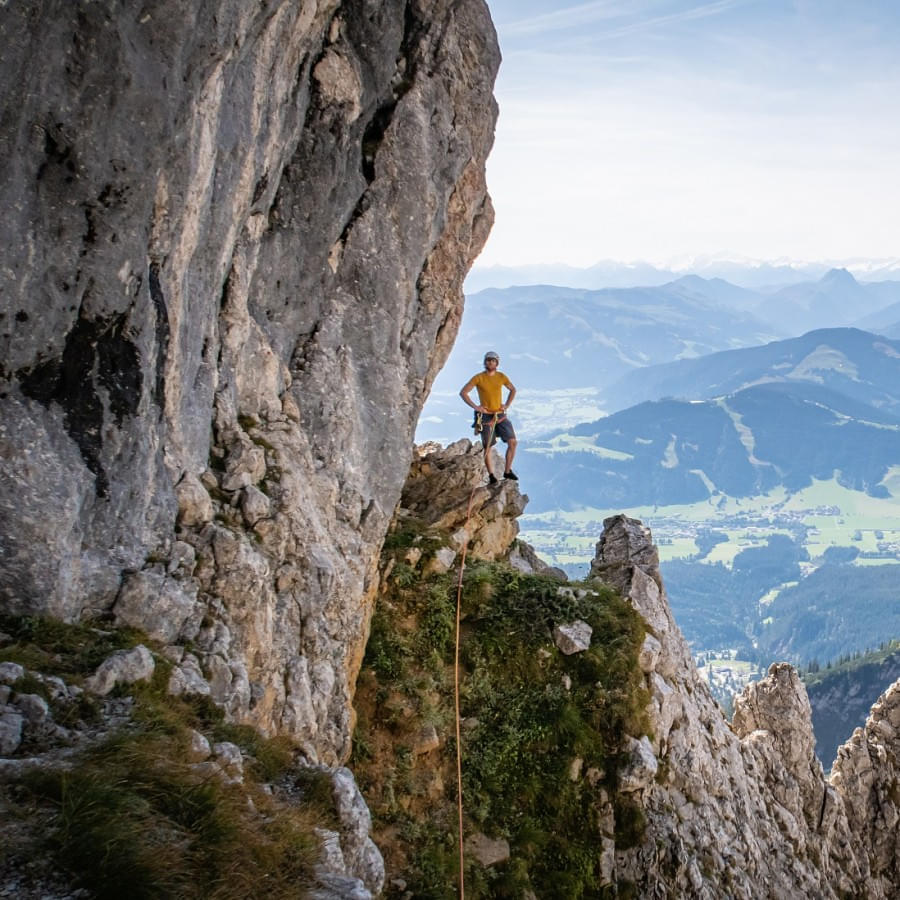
point(490, 389)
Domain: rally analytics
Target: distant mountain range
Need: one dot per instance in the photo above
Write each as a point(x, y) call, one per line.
point(682, 451)
point(566, 339)
point(757, 274)
point(860, 365)
point(556, 337)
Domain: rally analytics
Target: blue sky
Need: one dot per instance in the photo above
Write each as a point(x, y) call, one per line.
point(661, 129)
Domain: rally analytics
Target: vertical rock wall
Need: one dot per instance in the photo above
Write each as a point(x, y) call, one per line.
point(234, 239)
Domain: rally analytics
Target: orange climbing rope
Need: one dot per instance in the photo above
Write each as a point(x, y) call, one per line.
point(462, 566)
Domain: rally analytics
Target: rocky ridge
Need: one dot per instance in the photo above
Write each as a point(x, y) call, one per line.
point(841, 698)
point(231, 268)
point(745, 810)
point(446, 490)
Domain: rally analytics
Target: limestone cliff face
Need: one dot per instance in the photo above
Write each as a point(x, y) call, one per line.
point(233, 244)
point(745, 811)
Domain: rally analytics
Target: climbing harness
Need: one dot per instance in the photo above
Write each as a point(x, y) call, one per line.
point(478, 423)
point(459, 583)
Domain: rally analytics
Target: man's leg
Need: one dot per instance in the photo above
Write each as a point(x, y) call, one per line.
point(485, 439)
point(510, 453)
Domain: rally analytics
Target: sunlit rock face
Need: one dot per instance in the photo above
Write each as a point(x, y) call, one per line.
point(233, 244)
point(745, 810)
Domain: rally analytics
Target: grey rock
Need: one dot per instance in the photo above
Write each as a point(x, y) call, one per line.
point(11, 672)
point(412, 556)
point(5, 693)
point(245, 466)
point(524, 558)
point(426, 741)
point(187, 677)
point(641, 768)
point(229, 757)
point(445, 488)
point(182, 560)
point(331, 886)
point(194, 503)
point(488, 851)
point(159, 605)
point(33, 707)
point(625, 541)
point(696, 878)
point(649, 654)
point(441, 562)
point(362, 858)
point(123, 667)
point(331, 857)
point(56, 687)
point(255, 505)
point(200, 748)
point(11, 724)
point(573, 637)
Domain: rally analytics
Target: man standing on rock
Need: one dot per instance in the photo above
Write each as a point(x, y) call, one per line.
point(490, 412)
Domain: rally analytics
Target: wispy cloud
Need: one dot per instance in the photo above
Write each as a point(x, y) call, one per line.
point(684, 15)
point(608, 11)
point(572, 16)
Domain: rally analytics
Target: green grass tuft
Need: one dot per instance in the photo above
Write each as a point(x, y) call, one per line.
point(134, 819)
point(57, 648)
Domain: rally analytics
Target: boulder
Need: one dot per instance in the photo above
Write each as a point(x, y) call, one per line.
point(426, 741)
point(574, 637)
point(194, 503)
point(11, 724)
point(33, 707)
point(442, 561)
point(187, 677)
point(488, 851)
point(255, 505)
point(159, 605)
point(362, 858)
point(123, 667)
point(641, 768)
point(11, 672)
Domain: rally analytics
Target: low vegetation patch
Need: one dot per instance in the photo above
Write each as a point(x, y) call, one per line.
point(56, 648)
point(134, 818)
point(531, 718)
point(137, 814)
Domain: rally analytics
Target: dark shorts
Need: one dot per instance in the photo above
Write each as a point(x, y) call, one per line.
point(503, 430)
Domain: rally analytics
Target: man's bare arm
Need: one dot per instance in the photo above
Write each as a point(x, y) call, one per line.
point(464, 393)
point(509, 397)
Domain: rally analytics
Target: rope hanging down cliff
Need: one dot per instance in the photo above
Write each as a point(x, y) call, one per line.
point(459, 583)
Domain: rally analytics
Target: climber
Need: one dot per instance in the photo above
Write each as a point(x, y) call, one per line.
point(490, 412)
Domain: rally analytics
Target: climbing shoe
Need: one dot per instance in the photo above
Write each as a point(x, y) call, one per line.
point(492, 479)
point(511, 475)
